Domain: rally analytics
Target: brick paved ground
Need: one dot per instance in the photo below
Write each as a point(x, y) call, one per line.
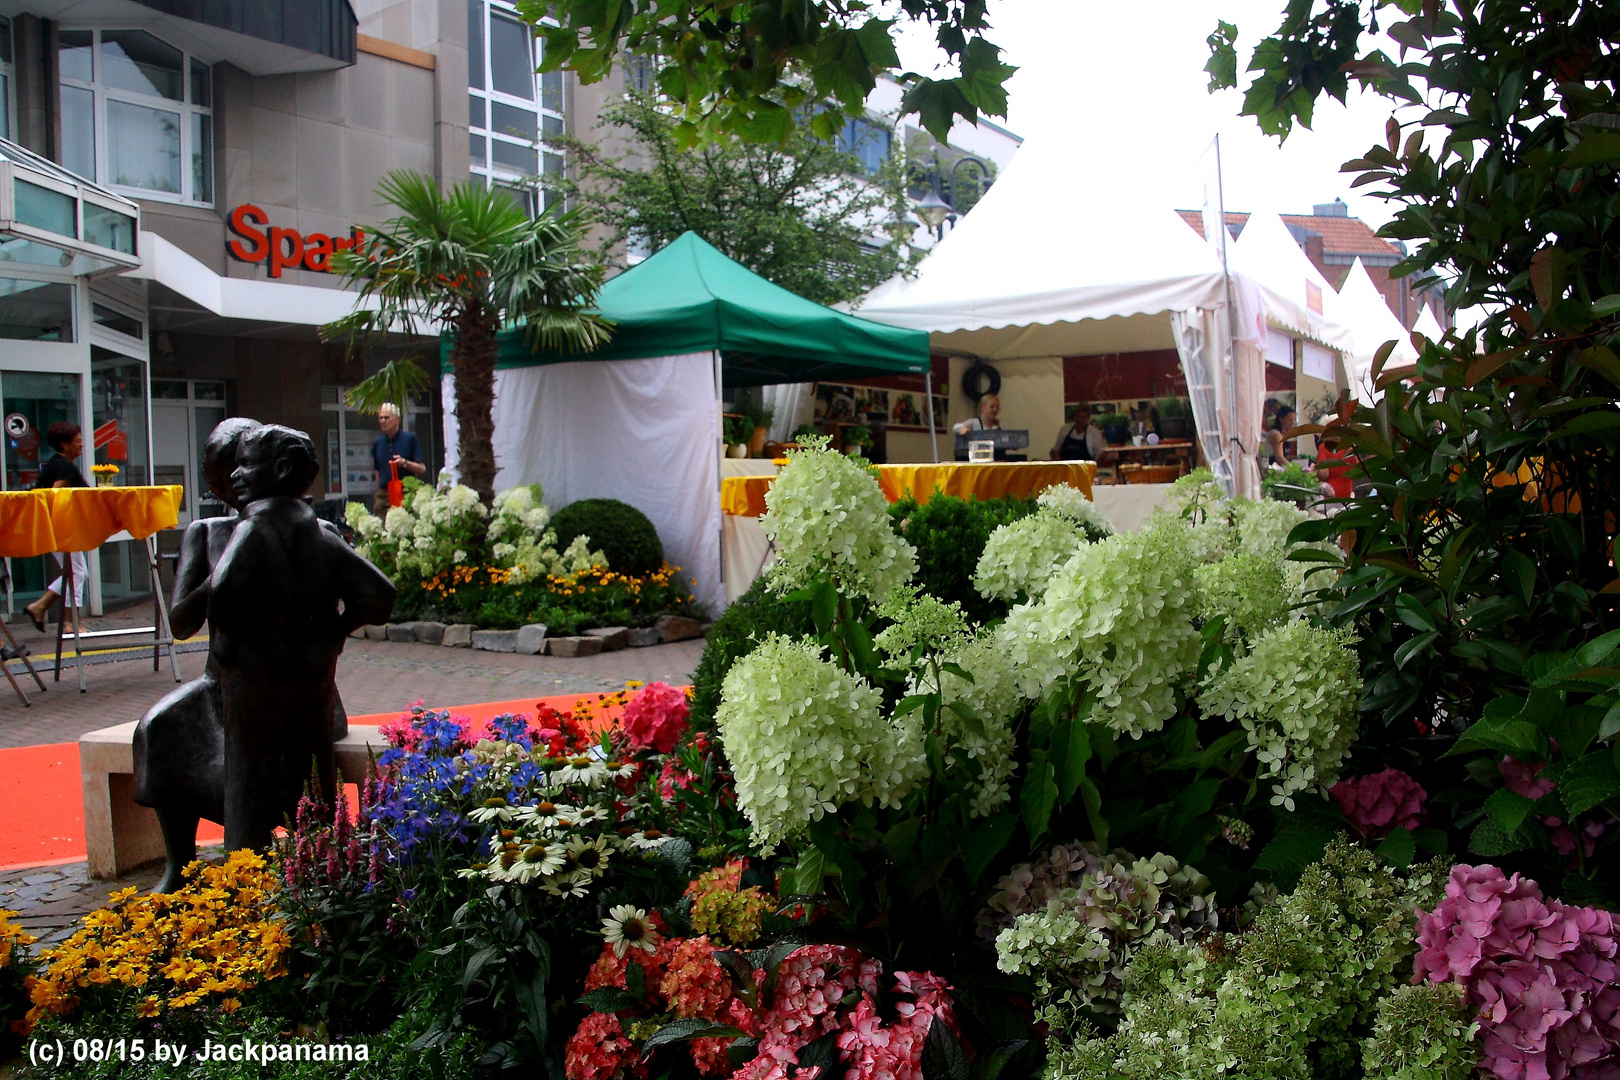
point(50, 900)
point(373, 676)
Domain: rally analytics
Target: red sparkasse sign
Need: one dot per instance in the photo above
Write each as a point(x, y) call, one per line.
point(284, 249)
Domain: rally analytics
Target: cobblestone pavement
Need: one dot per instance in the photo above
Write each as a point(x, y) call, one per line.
point(373, 676)
point(50, 900)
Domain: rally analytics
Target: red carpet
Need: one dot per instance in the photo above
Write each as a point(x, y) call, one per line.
point(41, 802)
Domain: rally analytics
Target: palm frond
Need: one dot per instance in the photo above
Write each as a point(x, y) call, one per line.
point(392, 385)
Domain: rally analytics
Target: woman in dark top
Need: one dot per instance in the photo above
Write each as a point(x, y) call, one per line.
point(60, 472)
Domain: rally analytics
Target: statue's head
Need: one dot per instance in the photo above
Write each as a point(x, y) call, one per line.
point(219, 457)
point(273, 460)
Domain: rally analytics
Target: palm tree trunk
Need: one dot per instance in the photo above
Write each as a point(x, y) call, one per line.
point(473, 362)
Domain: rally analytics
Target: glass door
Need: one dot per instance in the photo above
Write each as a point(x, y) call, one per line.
point(184, 412)
point(32, 401)
point(118, 401)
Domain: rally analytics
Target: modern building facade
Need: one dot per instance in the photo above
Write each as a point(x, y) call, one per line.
point(248, 137)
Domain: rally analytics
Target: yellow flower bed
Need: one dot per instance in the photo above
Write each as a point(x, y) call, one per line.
point(205, 944)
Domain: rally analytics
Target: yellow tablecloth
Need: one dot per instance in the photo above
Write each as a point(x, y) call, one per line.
point(79, 519)
point(744, 496)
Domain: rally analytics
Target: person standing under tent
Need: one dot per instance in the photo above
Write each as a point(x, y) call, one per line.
point(1078, 440)
point(989, 410)
point(394, 447)
point(61, 472)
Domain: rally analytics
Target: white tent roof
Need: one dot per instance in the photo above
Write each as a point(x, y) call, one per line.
point(1268, 255)
point(1371, 324)
point(1024, 275)
point(1428, 325)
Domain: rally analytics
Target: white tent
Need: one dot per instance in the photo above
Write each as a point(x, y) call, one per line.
point(1023, 277)
point(1428, 325)
point(1297, 297)
point(1371, 324)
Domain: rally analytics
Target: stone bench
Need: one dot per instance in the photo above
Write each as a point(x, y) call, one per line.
point(120, 834)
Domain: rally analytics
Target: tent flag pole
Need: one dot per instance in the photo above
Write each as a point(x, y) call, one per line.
point(928, 399)
point(720, 452)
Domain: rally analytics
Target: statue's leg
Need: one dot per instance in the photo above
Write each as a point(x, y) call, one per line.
point(179, 844)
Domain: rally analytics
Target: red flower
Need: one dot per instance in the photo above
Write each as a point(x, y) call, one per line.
point(598, 1050)
point(656, 718)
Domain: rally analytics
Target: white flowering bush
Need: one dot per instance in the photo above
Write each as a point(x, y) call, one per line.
point(1296, 694)
point(994, 700)
point(522, 541)
point(1075, 504)
point(805, 737)
point(826, 515)
point(434, 530)
point(1021, 556)
point(1119, 616)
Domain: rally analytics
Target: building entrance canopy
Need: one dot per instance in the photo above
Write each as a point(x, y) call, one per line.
point(52, 218)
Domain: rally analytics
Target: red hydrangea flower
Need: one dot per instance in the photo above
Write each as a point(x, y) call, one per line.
point(696, 984)
point(1380, 803)
point(878, 1051)
point(656, 718)
point(598, 1050)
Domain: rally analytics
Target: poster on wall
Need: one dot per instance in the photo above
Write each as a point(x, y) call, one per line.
point(358, 468)
point(897, 409)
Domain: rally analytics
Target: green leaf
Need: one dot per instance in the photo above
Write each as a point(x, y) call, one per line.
point(943, 1057)
point(1594, 148)
point(1397, 849)
point(1410, 610)
point(1522, 740)
point(1414, 647)
point(1589, 423)
point(824, 606)
point(1488, 839)
point(910, 703)
point(1508, 809)
point(1591, 780)
point(1606, 305)
point(1039, 795)
point(1093, 800)
point(1222, 63)
point(987, 841)
point(1431, 841)
point(1071, 759)
point(808, 877)
point(685, 1030)
point(610, 999)
point(1296, 846)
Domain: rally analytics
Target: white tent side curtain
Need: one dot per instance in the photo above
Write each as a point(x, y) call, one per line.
point(644, 432)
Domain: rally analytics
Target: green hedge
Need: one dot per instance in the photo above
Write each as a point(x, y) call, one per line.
point(734, 635)
point(949, 535)
point(618, 530)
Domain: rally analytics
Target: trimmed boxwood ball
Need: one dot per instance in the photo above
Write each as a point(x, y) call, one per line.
point(618, 530)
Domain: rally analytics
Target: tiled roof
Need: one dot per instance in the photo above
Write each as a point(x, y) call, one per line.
point(1340, 236)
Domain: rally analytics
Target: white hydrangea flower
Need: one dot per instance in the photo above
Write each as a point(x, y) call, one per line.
point(1119, 615)
point(826, 513)
point(1296, 694)
point(804, 738)
point(399, 523)
point(1071, 502)
point(1021, 556)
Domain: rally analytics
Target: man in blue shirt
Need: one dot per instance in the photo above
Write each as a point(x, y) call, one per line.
point(393, 447)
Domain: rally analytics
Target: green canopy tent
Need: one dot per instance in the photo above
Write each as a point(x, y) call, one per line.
point(690, 298)
point(639, 419)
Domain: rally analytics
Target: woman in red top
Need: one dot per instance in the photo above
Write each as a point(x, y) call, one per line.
point(1335, 476)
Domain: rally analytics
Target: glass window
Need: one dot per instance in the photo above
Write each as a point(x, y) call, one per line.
point(5, 77)
point(115, 320)
point(109, 228)
point(208, 391)
point(143, 147)
point(45, 209)
point(41, 400)
point(511, 64)
point(869, 143)
point(36, 310)
point(75, 54)
point(513, 111)
point(137, 113)
point(136, 61)
point(79, 131)
point(169, 389)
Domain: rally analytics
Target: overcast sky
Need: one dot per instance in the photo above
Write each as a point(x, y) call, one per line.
point(1121, 87)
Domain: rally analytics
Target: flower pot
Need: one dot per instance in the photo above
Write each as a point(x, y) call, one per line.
point(738, 450)
point(106, 480)
point(1172, 427)
point(756, 443)
point(1117, 434)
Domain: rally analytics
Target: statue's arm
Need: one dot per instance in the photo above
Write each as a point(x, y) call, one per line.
point(191, 580)
point(366, 592)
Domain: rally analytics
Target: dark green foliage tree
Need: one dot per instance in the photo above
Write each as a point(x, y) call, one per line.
point(1484, 550)
point(619, 530)
point(744, 67)
point(798, 212)
point(949, 535)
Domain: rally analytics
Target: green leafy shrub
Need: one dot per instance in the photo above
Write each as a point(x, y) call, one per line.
point(734, 635)
point(1294, 995)
point(949, 535)
point(618, 530)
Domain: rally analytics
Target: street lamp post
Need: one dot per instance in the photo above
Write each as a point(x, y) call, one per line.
point(934, 208)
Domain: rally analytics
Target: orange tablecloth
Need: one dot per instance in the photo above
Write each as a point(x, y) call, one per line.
point(744, 496)
point(79, 519)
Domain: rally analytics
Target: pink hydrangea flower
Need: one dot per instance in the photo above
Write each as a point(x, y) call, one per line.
point(874, 1050)
point(656, 718)
point(1544, 975)
point(1382, 802)
point(599, 1050)
point(1525, 779)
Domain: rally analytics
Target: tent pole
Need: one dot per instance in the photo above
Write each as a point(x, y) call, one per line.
point(928, 401)
point(720, 453)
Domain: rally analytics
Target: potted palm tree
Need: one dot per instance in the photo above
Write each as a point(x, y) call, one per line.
point(467, 262)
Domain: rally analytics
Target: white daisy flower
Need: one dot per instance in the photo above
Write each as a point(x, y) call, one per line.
point(628, 927)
